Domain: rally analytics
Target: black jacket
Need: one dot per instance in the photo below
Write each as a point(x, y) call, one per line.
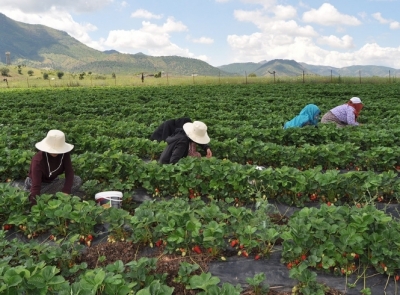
point(177, 148)
point(168, 128)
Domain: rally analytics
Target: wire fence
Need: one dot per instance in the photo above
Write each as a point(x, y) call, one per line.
point(139, 80)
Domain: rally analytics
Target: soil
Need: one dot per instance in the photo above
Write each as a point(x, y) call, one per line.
point(166, 263)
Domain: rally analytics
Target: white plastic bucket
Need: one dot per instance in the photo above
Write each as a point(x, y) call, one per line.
point(109, 199)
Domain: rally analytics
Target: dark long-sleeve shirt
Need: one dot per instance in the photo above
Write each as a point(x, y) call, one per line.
point(168, 128)
point(39, 171)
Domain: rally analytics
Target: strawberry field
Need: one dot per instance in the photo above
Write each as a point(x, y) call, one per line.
point(341, 187)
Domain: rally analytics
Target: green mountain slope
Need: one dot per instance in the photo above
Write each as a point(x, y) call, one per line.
point(240, 68)
point(43, 47)
point(282, 67)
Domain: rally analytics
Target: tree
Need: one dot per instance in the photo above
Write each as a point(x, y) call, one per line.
point(158, 75)
point(60, 75)
point(30, 72)
point(4, 71)
point(113, 75)
point(45, 76)
point(252, 75)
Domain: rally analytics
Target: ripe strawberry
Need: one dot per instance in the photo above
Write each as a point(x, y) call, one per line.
point(329, 203)
point(245, 254)
point(197, 249)
point(257, 257)
point(234, 243)
point(289, 265)
point(90, 237)
point(303, 257)
point(397, 277)
point(51, 237)
point(159, 243)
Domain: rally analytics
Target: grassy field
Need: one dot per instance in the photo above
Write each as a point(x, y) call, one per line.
point(19, 78)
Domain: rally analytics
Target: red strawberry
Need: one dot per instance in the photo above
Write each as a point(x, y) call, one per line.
point(257, 257)
point(303, 257)
point(196, 249)
point(234, 243)
point(158, 243)
point(245, 254)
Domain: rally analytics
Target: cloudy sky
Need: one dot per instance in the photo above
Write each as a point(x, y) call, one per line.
point(332, 33)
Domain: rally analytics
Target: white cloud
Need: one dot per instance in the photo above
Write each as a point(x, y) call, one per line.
point(345, 42)
point(284, 12)
point(30, 6)
point(394, 25)
point(142, 13)
point(153, 39)
point(379, 18)
point(256, 47)
point(328, 15)
point(203, 40)
point(170, 26)
point(274, 25)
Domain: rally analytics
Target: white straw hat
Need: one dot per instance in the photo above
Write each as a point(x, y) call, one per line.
point(355, 100)
point(197, 131)
point(54, 143)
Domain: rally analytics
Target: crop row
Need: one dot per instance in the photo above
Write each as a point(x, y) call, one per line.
point(214, 227)
point(113, 170)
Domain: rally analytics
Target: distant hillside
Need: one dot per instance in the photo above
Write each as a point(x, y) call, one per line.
point(240, 68)
point(39, 46)
point(353, 71)
point(282, 67)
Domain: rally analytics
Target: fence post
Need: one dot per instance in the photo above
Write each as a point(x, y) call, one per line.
point(245, 74)
point(359, 74)
point(331, 76)
point(303, 76)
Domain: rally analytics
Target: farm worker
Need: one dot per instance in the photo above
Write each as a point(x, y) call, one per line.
point(345, 114)
point(167, 128)
point(308, 116)
point(183, 142)
point(52, 160)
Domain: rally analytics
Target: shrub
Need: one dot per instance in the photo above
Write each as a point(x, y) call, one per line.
point(4, 71)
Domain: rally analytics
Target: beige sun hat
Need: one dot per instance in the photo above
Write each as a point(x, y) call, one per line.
point(54, 143)
point(197, 131)
point(355, 100)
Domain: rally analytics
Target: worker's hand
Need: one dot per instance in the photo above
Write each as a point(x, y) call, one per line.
point(209, 153)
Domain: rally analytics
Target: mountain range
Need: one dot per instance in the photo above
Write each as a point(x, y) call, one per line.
point(42, 47)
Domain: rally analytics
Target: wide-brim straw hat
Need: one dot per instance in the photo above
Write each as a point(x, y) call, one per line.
point(54, 143)
point(197, 131)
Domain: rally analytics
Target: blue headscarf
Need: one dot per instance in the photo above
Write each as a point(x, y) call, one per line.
point(307, 116)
